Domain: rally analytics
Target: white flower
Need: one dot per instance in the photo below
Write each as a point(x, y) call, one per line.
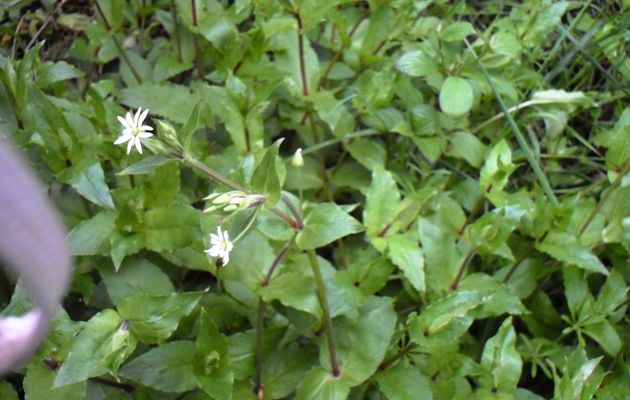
point(220, 246)
point(133, 130)
point(298, 160)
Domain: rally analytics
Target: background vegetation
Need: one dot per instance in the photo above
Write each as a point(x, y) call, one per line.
point(460, 227)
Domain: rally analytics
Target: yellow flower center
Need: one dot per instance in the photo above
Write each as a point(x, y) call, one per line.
point(135, 131)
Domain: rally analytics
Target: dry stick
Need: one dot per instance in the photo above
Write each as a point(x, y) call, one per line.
point(259, 389)
point(122, 53)
point(323, 301)
point(176, 31)
point(44, 25)
point(196, 41)
point(230, 183)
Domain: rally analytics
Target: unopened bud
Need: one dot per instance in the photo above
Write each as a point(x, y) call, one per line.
point(298, 160)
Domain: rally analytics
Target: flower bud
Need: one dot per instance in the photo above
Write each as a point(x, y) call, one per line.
point(298, 160)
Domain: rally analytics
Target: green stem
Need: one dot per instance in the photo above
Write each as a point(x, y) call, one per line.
point(178, 42)
point(122, 53)
point(196, 41)
point(230, 183)
point(259, 389)
point(323, 301)
point(301, 52)
point(462, 268)
point(542, 179)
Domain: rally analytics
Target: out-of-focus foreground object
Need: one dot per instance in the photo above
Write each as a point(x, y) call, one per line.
point(33, 247)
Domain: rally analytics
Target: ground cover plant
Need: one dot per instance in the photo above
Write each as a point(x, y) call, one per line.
point(327, 199)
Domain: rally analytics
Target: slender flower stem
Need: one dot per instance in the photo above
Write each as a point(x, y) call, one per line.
point(300, 33)
point(196, 40)
point(122, 53)
point(323, 301)
point(259, 389)
point(294, 210)
point(178, 42)
point(230, 183)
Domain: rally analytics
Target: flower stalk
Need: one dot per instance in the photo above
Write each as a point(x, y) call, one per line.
point(323, 301)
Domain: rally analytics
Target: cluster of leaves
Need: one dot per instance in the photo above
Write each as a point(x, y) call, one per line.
point(460, 227)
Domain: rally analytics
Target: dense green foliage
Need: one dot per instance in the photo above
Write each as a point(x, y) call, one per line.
point(458, 225)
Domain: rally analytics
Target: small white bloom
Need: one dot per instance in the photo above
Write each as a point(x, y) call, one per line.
point(133, 130)
point(220, 246)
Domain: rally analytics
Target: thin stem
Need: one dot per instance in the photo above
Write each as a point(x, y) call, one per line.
point(122, 53)
point(142, 23)
point(516, 263)
point(542, 179)
point(178, 42)
point(406, 350)
point(462, 268)
point(294, 210)
point(259, 389)
point(129, 388)
point(196, 40)
point(49, 18)
point(230, 183)
point(323, 301)
point(213, 174)
point(302, 57)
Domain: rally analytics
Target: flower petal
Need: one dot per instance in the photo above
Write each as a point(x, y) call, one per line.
point(226, 259)
point(138, 145)
point(137, 117)
point(145, 135)
point(146, 128)
point(129, 146)
point(129, 119)
point(123, 122)
point(143, 116)
point(122, 139)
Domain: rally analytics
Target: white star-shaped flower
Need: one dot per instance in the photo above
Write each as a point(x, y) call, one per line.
point(133, 130)
point(220, 246)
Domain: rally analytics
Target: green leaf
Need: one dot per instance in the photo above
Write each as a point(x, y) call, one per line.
point(49, 73)
point(38, 385)
point(325, 223)
point(265, 178)
point(404, 382)
point(439, 314)
point(417, 63)
point(381, 202)
point(501, 362)
point(91, 236)
point(468, 147)
point(619, 146)
point(170, 228)
point(457, 31)
point(284, 369)
point(97, 342)
point(168, 368)
point(173, 102)
point(321, 384)
point(146, 165)
point(187, 131)
point(497, 168)
point(8, 393)
point(456, 96)
point(211, 363)
point(578, 377)
point(137, 276)
point(89, 181)
point(367, 153)
point(406, 254)
point(566, 248)
point(373, 329)
point(294, 289)
point(154, 318)
point(604, 333)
